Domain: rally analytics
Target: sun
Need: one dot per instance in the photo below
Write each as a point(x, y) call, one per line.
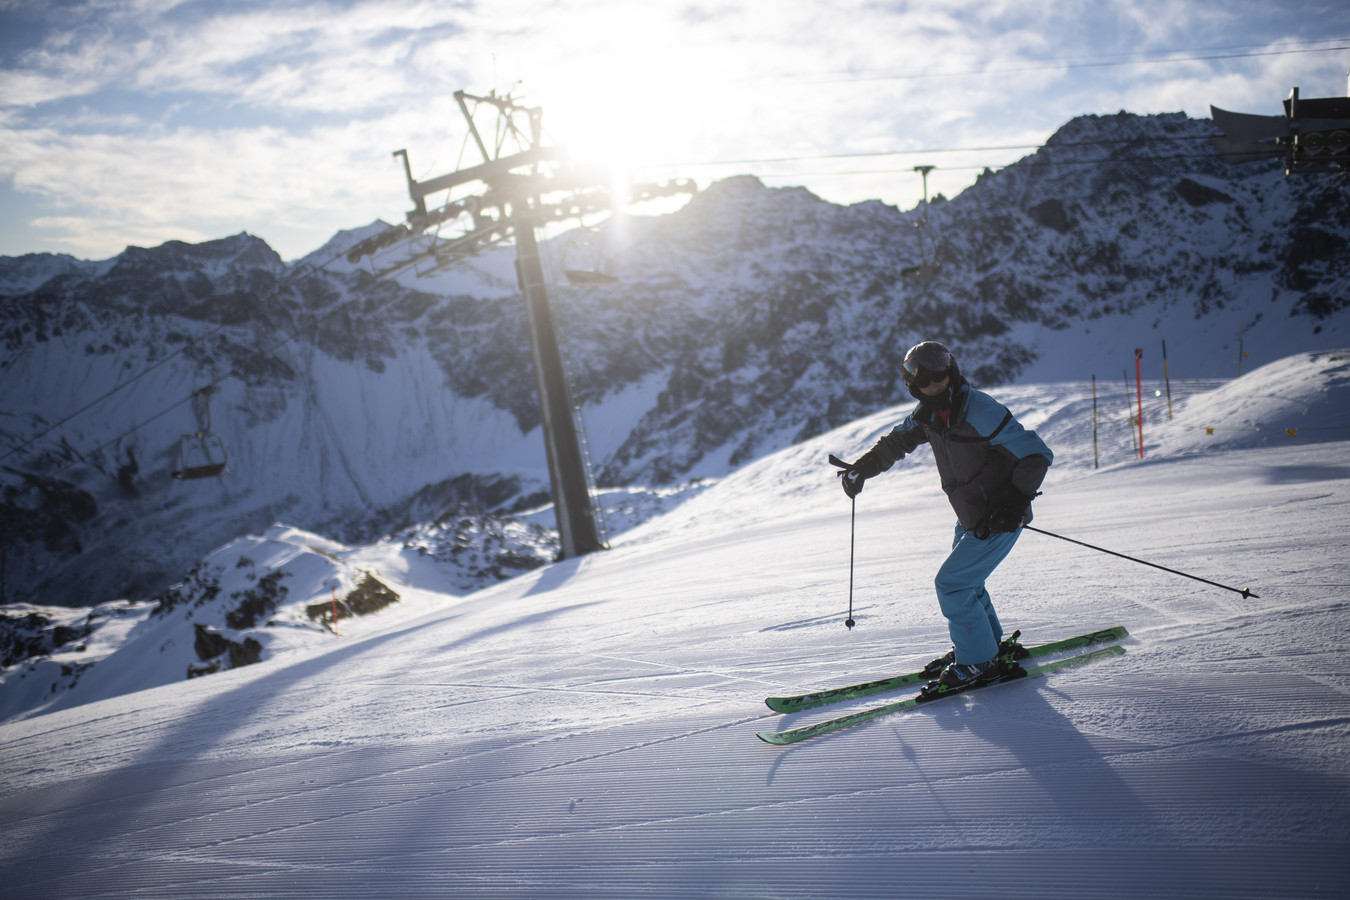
point(624, 126)
point(626, 102)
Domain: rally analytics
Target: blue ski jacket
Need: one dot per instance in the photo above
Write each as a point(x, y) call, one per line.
point(981, 452)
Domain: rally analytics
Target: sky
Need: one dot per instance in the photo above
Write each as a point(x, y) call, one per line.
point(134, 122)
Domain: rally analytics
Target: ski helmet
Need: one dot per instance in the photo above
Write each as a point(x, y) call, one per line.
point(928, 362)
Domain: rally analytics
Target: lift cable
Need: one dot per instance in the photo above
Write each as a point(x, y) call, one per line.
point(1182, 56)
point(936, 150)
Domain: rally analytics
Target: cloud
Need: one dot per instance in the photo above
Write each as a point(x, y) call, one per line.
point(108, 190)
point(177, 119)
point(232, 50)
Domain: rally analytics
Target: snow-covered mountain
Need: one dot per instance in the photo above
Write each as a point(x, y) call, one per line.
point(750, 320)
point(587, 729)
point(261, 596)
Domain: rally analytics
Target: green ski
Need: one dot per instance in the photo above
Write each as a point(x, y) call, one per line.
point(831, 725)
point(931, 671)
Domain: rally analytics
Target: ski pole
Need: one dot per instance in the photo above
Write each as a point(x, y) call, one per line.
point(1243, 591)
point(852, 534)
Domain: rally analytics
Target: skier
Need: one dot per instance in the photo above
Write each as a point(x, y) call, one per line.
point(991, 469)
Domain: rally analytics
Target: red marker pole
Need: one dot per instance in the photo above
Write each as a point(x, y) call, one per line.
point(1139, 391)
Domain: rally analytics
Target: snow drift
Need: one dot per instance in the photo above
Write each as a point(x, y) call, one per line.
point(587, 729)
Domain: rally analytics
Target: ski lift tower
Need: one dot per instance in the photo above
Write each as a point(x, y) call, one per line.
point(520, 185)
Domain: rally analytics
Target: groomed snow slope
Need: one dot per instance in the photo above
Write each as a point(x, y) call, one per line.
point(587, 730)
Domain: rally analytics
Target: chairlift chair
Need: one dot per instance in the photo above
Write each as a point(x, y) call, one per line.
point(589, 247)
point(201, 455)
point(927, 269)
point(588, 276)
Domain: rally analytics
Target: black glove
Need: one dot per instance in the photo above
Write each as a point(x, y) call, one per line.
point(856, 473)
point(852, 480)
point(1009, 514)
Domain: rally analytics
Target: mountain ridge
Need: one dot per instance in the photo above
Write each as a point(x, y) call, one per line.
point(750, 319)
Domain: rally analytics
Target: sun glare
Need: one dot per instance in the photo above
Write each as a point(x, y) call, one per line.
point(619, 122)
point(633, 96)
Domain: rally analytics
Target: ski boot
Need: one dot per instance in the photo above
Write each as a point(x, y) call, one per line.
point(1009, 651)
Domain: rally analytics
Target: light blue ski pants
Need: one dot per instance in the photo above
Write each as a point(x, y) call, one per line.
point(971, 619)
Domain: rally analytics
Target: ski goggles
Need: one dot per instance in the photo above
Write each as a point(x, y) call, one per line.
point(923, 378)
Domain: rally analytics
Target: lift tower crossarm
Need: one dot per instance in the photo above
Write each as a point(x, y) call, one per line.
point(489, 171)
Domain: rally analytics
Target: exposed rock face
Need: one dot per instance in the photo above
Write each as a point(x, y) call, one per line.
point(750, 319)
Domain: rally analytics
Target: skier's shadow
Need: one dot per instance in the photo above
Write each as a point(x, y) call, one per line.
point(1072, 771)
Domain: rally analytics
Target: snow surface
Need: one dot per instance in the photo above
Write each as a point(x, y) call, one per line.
point(587, 730)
